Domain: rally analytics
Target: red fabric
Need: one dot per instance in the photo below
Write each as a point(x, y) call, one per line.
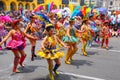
point(107, 41)
point(102, 42)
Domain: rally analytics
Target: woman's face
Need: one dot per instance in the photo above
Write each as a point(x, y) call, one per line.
point(72, 22)
point(106, 24)
point(18, 25)
point(87, 22)
point(33, 19)
point(98, 17)
point(51, 31)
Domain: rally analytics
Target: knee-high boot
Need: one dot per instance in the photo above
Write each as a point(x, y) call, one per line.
point(22, 60)
point(107, 41)
point(73, 52)
point(50, 68)
point(33, 53)
point(102, 45)
point(16, 62)
point(55, 68)
point(68, 56)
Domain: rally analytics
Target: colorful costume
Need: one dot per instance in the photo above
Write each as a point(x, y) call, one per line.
point(18, 42)
point(86, 36)
point(50, 51)
point(105, 34)
point(61, 32)
point(93, 26)
point(73, 37)
point(71, 42)
point(34, 31)
point(3, 33)
point(94, 29)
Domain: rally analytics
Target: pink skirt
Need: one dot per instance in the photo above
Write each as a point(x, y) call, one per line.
point(13, 44)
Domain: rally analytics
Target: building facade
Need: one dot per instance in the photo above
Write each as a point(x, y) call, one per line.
point(17, 4)
point(109, 4)
point(31, 4)
point(112, 4)
point(90, 2)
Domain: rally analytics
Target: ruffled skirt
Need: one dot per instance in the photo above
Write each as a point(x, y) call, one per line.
point(50, 54)
point(72, 40)
point(13, 45)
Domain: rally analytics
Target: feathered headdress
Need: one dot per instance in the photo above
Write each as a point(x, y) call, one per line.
point(42, 17)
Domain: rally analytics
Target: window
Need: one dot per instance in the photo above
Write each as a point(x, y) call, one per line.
point(74, 0)
point(33, 6)
point(2, 6)
point(111, 3)
point(40, 1)
point(12, 6)
point(65, 1)
point(20, 5)
point(27, 6)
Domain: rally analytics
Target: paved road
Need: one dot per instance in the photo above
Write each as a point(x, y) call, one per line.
point(100, 64)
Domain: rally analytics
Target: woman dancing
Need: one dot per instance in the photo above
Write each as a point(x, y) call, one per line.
point(17, 44)
point(33, 29)
point(50, 52)
point(71, 41)
point(86, 35)
point(105, 34)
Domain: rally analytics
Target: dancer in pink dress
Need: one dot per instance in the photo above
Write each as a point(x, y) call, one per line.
point(17, 44)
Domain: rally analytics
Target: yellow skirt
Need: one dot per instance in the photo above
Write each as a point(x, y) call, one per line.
point(49, 55)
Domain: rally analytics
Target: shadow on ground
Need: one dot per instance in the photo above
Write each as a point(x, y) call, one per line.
point(79, 63)
point(92, 53)
point(3, 52)
point(59, 77)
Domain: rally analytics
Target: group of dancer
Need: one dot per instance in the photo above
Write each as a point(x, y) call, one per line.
point(62, 32)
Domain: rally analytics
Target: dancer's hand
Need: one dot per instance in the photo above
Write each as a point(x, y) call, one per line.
point(36, 38)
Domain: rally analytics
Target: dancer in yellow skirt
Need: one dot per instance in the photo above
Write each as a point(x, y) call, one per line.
point(50, 52)
point(61, 31)
point(86, 35)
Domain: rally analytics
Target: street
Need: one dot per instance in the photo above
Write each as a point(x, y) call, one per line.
point(100, 64)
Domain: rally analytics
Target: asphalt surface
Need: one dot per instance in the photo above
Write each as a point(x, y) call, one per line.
point(100, 64)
